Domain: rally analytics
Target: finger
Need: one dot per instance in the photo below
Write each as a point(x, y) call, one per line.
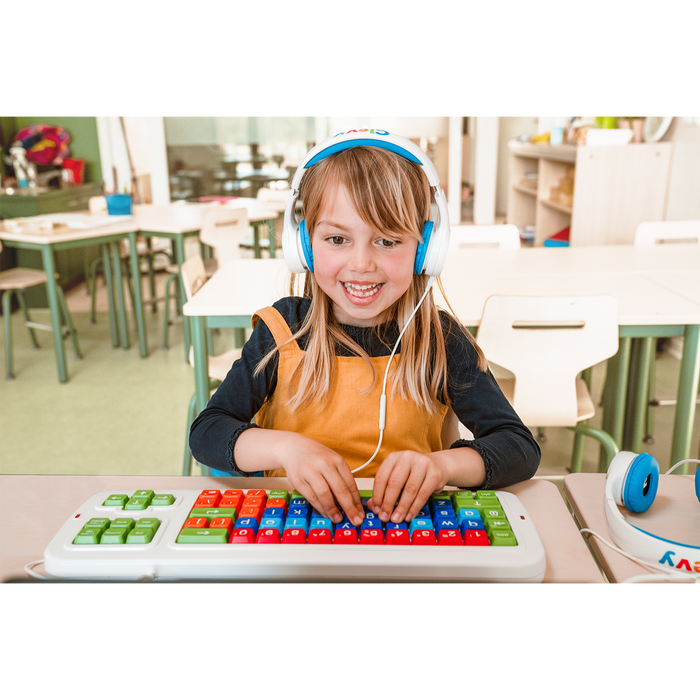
point(324, 501)
point(349, 479)
point(415, 495)
point(351, 505)
point(394, 484)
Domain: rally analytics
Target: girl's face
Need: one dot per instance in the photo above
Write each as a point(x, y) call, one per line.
point(362, 272)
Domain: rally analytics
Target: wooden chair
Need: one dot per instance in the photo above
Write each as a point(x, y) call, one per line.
point(546, 342)
point(497, 236)
point(650, 233)
point(194, 277)
point(15, 281)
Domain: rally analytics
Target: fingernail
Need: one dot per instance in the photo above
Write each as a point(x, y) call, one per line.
point(357, 520)
point(375, 510)
point(384, 516)
point(337, 518)
point(408, 518)
point(395, 518)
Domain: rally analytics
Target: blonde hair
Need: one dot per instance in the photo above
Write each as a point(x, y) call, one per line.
point(392, 196)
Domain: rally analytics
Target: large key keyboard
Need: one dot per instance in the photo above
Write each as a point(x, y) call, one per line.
point(261, 535)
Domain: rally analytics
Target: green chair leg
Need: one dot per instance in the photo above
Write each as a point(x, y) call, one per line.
point(92, 287)
point(187, 462)
point(7, 317)
point(174, 278)
point(610, 448)
point(27, 319)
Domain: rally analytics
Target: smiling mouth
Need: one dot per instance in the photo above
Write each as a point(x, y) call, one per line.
point(362, 291)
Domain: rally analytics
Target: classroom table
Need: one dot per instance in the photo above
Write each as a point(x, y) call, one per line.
point(26, 531)
point(674, 515)
point(646, 308)
point(94, 229)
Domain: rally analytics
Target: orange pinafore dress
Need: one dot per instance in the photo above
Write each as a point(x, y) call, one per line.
point(349, 423)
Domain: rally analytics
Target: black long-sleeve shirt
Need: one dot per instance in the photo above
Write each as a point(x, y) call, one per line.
point(509, 450)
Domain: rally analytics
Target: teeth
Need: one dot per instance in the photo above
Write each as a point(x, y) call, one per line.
point(361, 290)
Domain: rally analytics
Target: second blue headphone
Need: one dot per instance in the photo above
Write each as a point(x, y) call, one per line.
point(432, 250)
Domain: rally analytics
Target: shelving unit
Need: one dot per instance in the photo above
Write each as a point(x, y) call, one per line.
point(616, 188)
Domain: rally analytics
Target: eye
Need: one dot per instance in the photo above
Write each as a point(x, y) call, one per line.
point(336, 240)
point(387, 243)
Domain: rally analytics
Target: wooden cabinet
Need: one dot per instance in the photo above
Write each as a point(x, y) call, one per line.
point(615, 188)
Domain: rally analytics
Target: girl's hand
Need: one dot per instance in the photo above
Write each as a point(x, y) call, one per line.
point(323, 477)
point(417, 475)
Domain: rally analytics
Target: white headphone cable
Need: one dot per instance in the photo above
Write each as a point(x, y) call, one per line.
point(683, 461)
point(382, 401)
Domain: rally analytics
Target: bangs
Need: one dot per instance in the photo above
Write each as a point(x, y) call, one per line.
point(390, 194)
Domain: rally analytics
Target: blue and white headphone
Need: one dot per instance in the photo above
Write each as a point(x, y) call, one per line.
point(432, 251)
point(632, 481)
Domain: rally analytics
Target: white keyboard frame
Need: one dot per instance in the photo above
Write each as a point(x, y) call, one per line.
point(164, 559)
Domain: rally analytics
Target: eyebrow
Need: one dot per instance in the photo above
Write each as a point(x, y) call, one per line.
point(332, 224)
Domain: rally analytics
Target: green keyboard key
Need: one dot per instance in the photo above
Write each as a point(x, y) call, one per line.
point(116, 499)
point(191, 535)
point(278, 494)
point(163, 499)
point(496, 524)
point(140, 535)
point(146, 493)
point(115, 535)
point(493, 512)
point(442, 495)
point(88, 535)
point(296, 494)
point(213, 513)
point(136, 504)
point(487, 497)
point(502, 538)
point(365, 493)
point(148, 523)
point(100, 524)
point(123, 523)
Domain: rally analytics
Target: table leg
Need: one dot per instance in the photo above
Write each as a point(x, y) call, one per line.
point(640, 402)
point(109, 284)
point(138, 294)
point(201, 362)
point(50, 269)
point(256, 238)
point(272, 237)
point(687, 391)
point(179, 246)
point(121, 303)
point(614, 397)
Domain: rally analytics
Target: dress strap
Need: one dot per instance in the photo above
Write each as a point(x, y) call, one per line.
point(278, 327)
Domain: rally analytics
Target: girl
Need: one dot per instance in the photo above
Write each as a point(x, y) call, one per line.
point(312, 372)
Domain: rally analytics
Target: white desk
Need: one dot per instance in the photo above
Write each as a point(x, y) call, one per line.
point(646, 308)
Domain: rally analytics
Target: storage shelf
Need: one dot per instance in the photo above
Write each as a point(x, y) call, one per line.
point(525, 190)
point(556, 205)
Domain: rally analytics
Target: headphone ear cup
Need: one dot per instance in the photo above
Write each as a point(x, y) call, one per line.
point(422, 249)
point(306, 246)
point(697, 483)
point(641, 483)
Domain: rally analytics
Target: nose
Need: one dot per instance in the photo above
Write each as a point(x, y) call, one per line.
point(362, 258)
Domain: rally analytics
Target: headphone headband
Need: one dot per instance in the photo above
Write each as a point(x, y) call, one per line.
point(431, 253)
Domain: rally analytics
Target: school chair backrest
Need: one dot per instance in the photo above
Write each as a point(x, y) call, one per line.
point(496, 236)
point(546, 342)
point(224, 230)
point(273, 199)
point(661, 232)
point(193, 274)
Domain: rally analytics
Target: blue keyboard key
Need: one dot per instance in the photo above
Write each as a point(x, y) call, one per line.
point(467, 514)
point(446, 524)
point(371, 516)
point(298, 502)
point(372, 524)
point(345, 526)
point(443, 513)
point(298, 511)
point(471, 524)
point(270, 523)
point(249, 523)
point(420, 524)
point(424, 512)
point(396, 526)
point(274, 513)
point(321, 523)
point(298, 524)
point(442, 503)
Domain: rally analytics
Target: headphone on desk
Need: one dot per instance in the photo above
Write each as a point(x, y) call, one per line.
point(431, 252)
point(632, 481)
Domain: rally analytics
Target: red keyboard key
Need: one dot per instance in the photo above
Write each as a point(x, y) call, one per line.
point(243, 536)
point(253, 502)
point(231, 502)
point(294, 537)
point(423, 537)
point(320, 536)
point(348, 536)
point(476, 538)
point(210, 492)
point(271, 536)
point(196, 522)
point(371, 537)
point(207, 502)
point(276, 503)
point(256, 493)
point(450, 538)
point(226, 523)
point(233, 493)
point(397, 537)
point(251, 512)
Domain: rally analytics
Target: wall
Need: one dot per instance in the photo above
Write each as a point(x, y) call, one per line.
point(683, 199)
point(83, 133)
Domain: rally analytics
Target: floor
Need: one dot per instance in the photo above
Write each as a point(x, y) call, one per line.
point(123, 414)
